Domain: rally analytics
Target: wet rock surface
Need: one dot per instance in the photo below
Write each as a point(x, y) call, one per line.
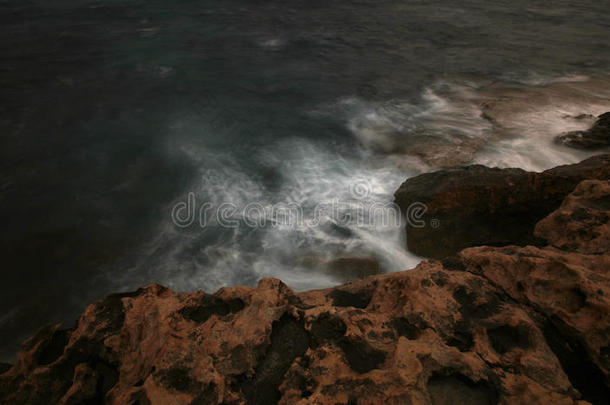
point(598, 136)
point(489, 325)
point(477, 205)
point(344, 269)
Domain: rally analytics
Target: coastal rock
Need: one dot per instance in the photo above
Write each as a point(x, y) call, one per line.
point(568, 295)
point(588, 207)
point(477, 205)
point(490, 325)
point(411, 337)
point(596, 137)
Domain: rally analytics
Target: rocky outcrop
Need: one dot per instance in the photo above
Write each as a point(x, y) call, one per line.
point(598, 136)
point(490, 325)
point(586, 208)
point(476, 205)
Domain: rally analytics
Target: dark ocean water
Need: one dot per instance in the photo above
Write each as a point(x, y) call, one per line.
point(113, 111)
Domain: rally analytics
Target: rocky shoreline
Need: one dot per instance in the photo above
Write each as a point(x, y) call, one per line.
point(523, 323)
point(477, 205)
point(598, 136)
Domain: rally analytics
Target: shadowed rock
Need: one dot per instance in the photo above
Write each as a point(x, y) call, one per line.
point(361, 356)
point(209, 305)
point(343, 269)
point(597, 137)
point(457, 389)
point(353, 268)
point(587, 207)
point(477, 205)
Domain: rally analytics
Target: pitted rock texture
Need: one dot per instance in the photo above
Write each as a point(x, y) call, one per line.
point(478, 205)
point(586, 208)
point(490, 325)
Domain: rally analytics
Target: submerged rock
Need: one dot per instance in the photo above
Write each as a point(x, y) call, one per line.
point(477, 205)
point(596, 137)
point(490, 325)
point(352, 268)
point(343, 269)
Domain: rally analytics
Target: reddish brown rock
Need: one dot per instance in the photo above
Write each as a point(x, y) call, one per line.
point(410, 337)
point(587, 207)
point(476, 205)
point(491, 325)
point(569, 293)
